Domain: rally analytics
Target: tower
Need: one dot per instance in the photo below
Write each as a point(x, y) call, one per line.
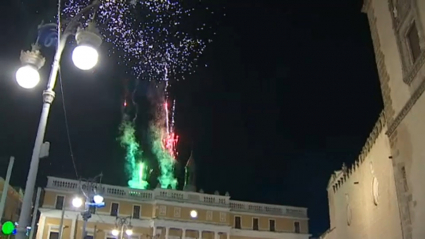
point(398, 34)
point(190, 171)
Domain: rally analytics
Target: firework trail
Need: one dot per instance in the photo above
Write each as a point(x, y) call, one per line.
point(151, 39)
point(135, 164)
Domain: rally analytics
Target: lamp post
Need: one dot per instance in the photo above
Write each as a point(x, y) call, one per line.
point(28, 77)
point(120, 224)
point(91, 191)
point(76, 203)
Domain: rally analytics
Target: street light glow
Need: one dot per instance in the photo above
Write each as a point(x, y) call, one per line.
point(85, 57)
point(115, 232)
point(27, 76)
point(77, 202)
point(193, 214)
point(97, 199)
point(129, 232)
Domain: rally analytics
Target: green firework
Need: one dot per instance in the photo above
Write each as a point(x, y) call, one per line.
point(134, 166)
point(165, 160)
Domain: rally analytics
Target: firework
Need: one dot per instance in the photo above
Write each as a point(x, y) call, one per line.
point(150, 35)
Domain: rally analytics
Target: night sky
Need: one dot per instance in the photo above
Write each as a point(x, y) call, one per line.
point(290, 92)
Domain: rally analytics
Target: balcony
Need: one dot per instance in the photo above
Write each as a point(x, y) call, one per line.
point(70, 185)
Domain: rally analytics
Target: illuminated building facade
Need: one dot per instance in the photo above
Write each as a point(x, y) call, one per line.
point(382, 195)
point(13, 204)
point(168, 214)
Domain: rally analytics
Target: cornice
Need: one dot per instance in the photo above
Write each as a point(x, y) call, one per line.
point(407, 107)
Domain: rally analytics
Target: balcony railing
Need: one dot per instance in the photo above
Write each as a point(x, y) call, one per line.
point(180, 196)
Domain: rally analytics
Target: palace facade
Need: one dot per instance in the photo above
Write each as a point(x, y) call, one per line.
point(166, 214)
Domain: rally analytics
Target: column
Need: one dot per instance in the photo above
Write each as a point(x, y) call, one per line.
point(183, 233)
point(228, 235)
point(74, 222)
point(167, 231)
point(216, 235)
point(41, 225)
point(154, 231)
point(200, 234)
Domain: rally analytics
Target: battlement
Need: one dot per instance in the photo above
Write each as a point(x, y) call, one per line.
point(338, 178)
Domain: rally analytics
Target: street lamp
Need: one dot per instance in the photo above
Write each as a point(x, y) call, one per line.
point(129, 231)
point(90, 189)
point(85, 55)
point(122, 223)
point(76, 203)
point(27, 76)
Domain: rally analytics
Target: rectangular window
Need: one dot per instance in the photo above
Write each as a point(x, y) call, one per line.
point(136, 211)
point(272, 225)
point(238, 223)
point(296, 227)
point(223, 217)
point(54, 235)
point(177, 211)
point(59, 202)
point(413, 41)
point(162, 210)
point(209, 215)
point(255, 224)
point(114, 209)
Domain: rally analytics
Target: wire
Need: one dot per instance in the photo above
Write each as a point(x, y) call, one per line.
point(66, 124)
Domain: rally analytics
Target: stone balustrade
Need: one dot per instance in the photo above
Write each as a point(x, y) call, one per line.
point(183, 196)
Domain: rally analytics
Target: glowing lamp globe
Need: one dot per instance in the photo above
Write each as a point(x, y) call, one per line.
point(85, 57)
point(77, 202)
point(97, 199)
point(115, 232)
point(193, 214)
point(27, 76)
point(129, 232)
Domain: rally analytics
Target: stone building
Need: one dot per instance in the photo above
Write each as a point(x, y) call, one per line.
point(166, 214)
point(382, 194)
point(13, 202)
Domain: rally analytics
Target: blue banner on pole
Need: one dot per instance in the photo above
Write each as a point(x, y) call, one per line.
point(48, 35)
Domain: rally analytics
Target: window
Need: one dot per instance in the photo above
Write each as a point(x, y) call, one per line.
point(54, 235)
point(59, 202)
point(209, 215)
point(114, 209)
point(238, 223)
point(255, 224)
point(297, 227)
point(272, 225)
point(413, 41)
point(177, 211)
point(136, 211)
point(162, 210)
point(89, 237)
point(222, 217)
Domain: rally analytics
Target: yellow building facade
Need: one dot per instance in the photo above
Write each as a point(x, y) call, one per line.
point(13, 204)
point(166, 214)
